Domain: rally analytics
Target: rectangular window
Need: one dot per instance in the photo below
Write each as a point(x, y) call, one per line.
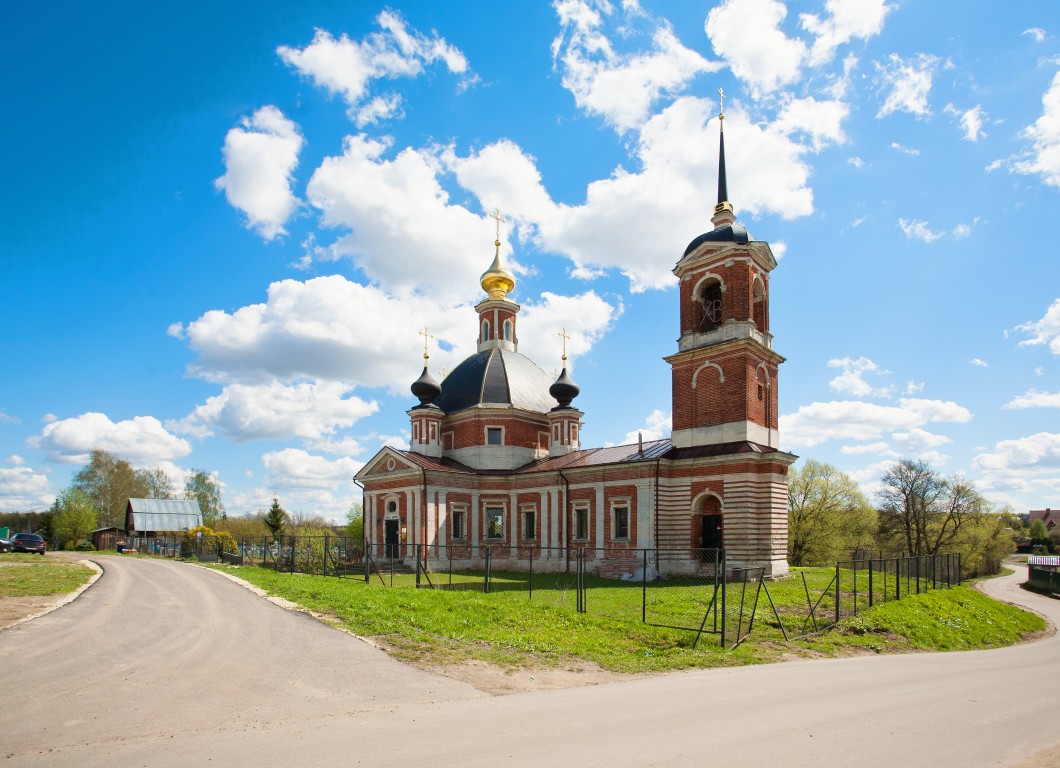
point(620, 523)
point(494, 523)
point(494, 436)
point(581, 524)
point(530, 524)
point(459, 523)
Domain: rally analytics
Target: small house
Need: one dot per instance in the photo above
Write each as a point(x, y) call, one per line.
point(151, 517)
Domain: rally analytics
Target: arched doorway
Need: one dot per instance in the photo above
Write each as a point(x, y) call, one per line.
point(707, 527)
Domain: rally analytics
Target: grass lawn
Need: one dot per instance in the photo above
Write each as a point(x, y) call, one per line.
point(26, 575)
point(509, 629)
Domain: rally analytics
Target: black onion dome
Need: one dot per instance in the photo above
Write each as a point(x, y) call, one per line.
point(730, 233)
point(564, 390)
point(426, 389)
point(496, 377)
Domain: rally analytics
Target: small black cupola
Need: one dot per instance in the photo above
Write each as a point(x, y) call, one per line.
point(564, 390)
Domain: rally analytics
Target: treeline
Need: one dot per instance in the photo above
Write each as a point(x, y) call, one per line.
point(917, 511)
point(100, 491)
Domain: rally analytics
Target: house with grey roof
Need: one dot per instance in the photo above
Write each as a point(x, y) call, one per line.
point(148, 517)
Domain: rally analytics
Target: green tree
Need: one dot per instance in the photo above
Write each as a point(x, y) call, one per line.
point(110, 482)
point(355, 523)
point(921, 511)
point(207, 492)
point(275, 519)
point(74, 516)
point(828, 516)
point(159, 484)
point(1039, 534)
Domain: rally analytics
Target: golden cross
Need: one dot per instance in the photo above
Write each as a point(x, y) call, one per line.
point(425, 336)
point(563, 333)
point(721, 94)
point(441, 373)
point(496, 214)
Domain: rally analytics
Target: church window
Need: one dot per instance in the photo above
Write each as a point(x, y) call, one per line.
point(507, 330)
point(485, 330)
point(530, 524)
point(758, 304)
point(494, 523)
point(581, 524)
point(459, 523)
point(710, 297)
point(620, 523)
point(494, 436)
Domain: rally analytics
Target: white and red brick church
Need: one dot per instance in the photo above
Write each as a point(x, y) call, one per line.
point(496, 457)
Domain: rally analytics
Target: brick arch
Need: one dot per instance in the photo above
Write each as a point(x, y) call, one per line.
point(698, 312)
point(759, 304)
point(708, 364)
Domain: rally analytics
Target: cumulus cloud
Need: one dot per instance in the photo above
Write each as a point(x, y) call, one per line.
point(817, 423)
point(852, 379)
point(142, 440)
point(1036, 32)
point(1023, 468)
point(879, 447)
point(822, 121)
point(585, 317)
point(747, 35)
point(309, 483)
point(260, 156)
point(23, 488)
point(656, 426)
point(1045, 331)
point(347, 68)
point(621, 88)
point(972, 123)
point(1034, 399)
point(907, 83)
point(980, 363)
point(274, 411)
point(1043, 158)
point(846, 20)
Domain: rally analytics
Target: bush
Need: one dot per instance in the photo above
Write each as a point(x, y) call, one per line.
point(84, 545)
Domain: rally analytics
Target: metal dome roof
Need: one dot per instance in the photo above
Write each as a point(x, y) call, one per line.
point(729, 233)
point(496, 377)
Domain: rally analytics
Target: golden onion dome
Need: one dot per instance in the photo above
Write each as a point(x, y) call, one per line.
point(497, 281)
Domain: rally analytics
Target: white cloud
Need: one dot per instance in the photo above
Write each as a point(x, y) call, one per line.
point(1045, 331)
point(620, 88)
point(1034, 399)
point(6, 418)
point(1043, 158)
point(308, 410)
point(1026, 468)
point(326, 328)
point(980, 363)
point(656, 426)
point(846, 20)
point(260, 158)
point(1036, 32)
point(972, 123)
point(856, 161)
point(23, 488)
point(586, 318)
point(908, 82)
point(348, 68)
point(308, 483)
point(747, 34)
point(866, 448)
point(821, 120)
point(398, 206)
point(852, 380)
point(919, 230)
point(917, 440)
point(141, 440)
point(912, 151)
point(819, 422)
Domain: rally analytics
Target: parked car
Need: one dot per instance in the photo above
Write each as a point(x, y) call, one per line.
point(28, 542)
point(5, 545)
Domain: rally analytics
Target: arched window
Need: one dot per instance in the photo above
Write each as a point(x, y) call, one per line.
point(710, 298)
point(507, 330)
point(758, 304)
point(485, 330)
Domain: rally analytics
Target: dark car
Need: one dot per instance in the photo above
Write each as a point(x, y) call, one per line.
point(28, 542)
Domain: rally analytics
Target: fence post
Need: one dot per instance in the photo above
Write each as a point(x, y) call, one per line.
point(294, 544)
point(724, 590)
point(418, 566)
point(644, 589)
point(870, 581)
point(897, 578)
point(486, 585)
point(837, 593)
point(531, 571)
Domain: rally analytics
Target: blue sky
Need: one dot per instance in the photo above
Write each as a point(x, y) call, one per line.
point(224, 225)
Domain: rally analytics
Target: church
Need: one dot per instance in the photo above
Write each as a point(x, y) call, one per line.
point(496, 458)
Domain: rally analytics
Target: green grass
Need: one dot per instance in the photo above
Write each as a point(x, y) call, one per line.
point(25, 575)
point(506, 628)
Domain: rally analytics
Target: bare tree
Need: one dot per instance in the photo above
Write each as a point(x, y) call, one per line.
point(923, 509)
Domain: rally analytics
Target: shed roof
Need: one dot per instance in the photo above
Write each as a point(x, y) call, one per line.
point(162, 514)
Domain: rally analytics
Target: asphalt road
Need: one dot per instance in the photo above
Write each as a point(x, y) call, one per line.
point(162, 664)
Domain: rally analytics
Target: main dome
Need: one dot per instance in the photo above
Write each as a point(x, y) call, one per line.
point(497, 377)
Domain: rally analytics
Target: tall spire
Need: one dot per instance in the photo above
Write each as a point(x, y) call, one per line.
point(723, 212)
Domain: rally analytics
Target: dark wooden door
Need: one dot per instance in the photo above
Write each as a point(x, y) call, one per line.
point(711, 537)
point(390, 538)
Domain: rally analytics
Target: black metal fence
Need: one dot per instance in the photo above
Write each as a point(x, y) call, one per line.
point(1044, 578)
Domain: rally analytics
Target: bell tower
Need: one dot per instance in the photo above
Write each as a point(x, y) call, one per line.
point(725, 369)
